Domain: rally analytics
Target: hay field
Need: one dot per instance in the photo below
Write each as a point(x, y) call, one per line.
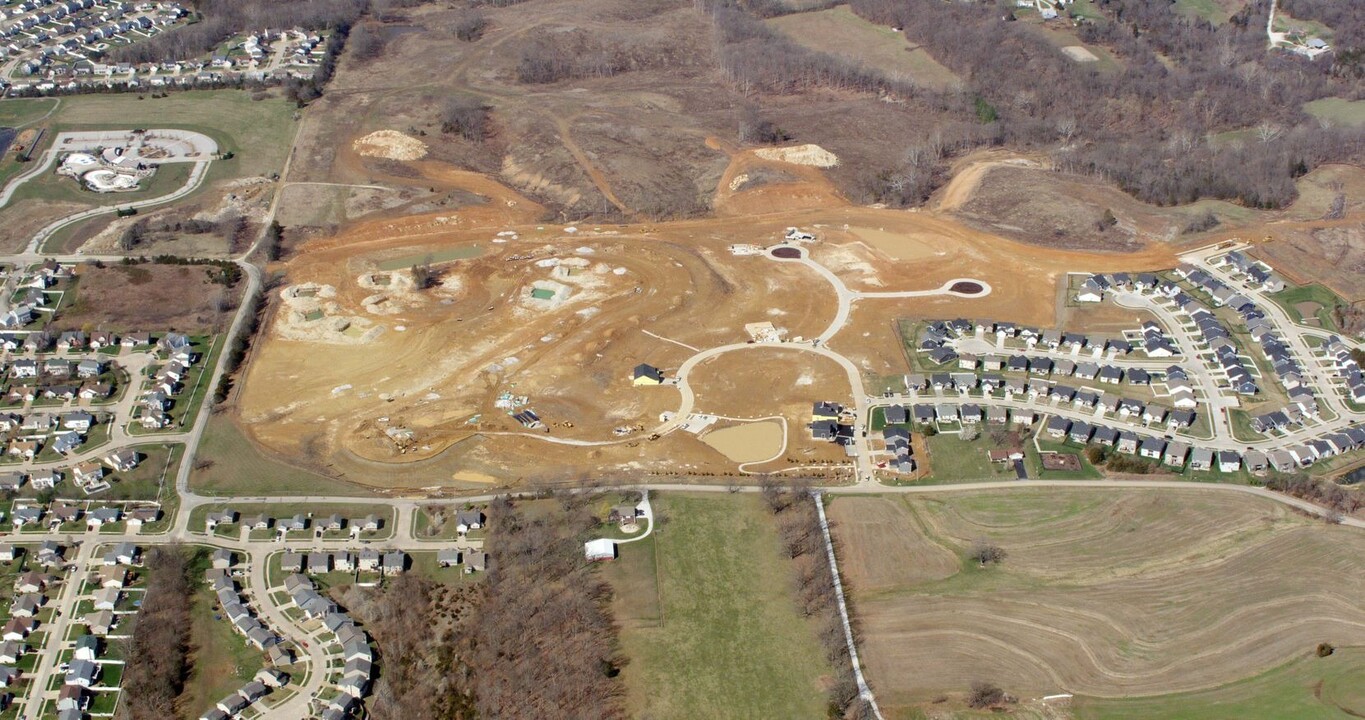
point(1108, 595)
point(841, 33)
point(708, 620)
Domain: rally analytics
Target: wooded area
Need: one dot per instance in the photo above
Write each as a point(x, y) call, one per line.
point(532, 638)
point(157, 657)
point(1149, 125)
point(418, 626)
point(221, 19)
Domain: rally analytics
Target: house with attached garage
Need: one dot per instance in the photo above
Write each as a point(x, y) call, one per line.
point(122, 460)
point(80, 421)
point(824, 430)
point(87, 474)
point(89, 368)
point(1152, 448)
point(24, 368)
point(1175, 454)
point(826, 411)
point(466, 520)
point(1229, 461)
point(72, 340)
point(895, 415)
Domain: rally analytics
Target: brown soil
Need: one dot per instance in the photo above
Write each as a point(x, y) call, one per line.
point(340, 400)
point(1328, 251)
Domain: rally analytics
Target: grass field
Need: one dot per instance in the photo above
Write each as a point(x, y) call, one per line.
point(1338, 110)
point(258, 132)
point(839, 32)
point(221, 661)
point(1215, 11)
point(1315, 293)
point(1306, 688)
point(953, 459)
point(1144, 604)
point(708, 620)
point(230, 464)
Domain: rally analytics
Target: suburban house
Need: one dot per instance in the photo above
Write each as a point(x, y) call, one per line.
point(646, 375)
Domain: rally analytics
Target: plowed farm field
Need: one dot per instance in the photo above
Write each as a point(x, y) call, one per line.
point(1110, 596)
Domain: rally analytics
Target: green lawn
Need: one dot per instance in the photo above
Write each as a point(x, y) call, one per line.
point(952, 459)
point(18, 113)
point(229, 463)
point(1315, 293)
point(1309, 688)
point(259, 133)
point(726, 639)
point(1338, 110)
point(144, 482)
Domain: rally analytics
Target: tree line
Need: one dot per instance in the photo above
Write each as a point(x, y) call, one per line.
point(218, 20)
point(417, 625)
point(798, 526)
point(157, 659)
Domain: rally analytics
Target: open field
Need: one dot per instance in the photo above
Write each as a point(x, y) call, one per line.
point(1309, 304)
point(710, 626)
point(220, 659)
point(1068, 211)
point(257, 133)
point(1215, 11)
point(1350, 113)
point(228, 463)
point(150, 298)
point(839, 31)
point(1097, 596)
point(1306, 687)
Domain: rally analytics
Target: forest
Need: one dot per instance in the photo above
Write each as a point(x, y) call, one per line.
point(533, 638)
point(158, 651)
point(1150, 126)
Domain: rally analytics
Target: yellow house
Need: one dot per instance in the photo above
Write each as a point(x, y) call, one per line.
point(647, 375)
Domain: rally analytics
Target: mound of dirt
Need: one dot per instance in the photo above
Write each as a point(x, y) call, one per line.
point(812, 155)
point(391, 145)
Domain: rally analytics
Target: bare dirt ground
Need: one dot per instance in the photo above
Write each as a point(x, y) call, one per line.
point(1330, 252)
point(149, 298)
point(359, 368)
point(1049, 208)
point(1101, 594)
point(357, 372)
